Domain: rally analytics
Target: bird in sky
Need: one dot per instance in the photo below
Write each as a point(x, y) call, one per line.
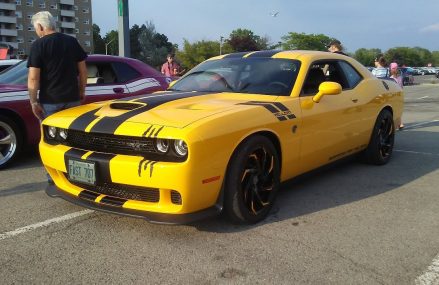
point(274, 14)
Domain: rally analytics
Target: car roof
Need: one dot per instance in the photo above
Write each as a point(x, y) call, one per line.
point(305, 56)
point(9, 61)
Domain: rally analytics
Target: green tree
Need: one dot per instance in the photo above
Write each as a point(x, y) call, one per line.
point(98, 42)
point(435, 58)
point(154, 46)
point(195, 53)
point(304, 41)
point(136, 49)
point(367, 56)
point(245, 40)
point(404, 56)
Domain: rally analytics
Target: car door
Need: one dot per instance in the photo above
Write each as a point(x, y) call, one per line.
point(103, 83)
point(330, 127)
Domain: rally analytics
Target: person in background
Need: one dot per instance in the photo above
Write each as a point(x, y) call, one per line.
point(396, 75)
point(170, 67)
point(380, 69)
point(336, 47)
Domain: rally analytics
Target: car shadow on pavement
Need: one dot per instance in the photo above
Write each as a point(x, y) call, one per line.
point(30, 158)
point(416, 154)
point(23, 188)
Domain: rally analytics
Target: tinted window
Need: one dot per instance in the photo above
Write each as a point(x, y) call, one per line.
point(352, 76)
point(125, 72)
point(322, 71)
point(267, 76)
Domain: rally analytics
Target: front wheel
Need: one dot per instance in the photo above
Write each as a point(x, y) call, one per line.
point(381, 143)
point(252, 181)
point(10, 141)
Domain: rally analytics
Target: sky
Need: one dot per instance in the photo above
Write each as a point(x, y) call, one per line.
point(356, 23)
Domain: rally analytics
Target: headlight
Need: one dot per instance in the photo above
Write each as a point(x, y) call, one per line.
point(162, 145)
point(52, 132)
point(180, 147)
point(63, 134)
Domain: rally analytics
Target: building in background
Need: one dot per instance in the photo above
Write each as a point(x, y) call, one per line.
point(74, 17)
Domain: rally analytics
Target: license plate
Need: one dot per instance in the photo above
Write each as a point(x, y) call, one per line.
point(82, 172)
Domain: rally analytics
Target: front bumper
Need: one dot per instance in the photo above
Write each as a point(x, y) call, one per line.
point(159, 218)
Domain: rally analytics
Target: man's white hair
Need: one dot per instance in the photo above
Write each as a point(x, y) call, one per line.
point(45, 19)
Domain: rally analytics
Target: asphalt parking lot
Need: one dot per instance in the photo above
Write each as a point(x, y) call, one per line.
point(348, 223)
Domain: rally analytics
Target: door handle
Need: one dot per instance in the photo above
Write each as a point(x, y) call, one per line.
point(118, 90)
point(354, 100)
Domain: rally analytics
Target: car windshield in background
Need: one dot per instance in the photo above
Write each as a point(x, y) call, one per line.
point(267, 76)
point(14, 75)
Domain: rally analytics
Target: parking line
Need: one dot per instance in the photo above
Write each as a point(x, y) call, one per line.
point(424, 97)
point(419, 124)
point(415, 152)
point(44, 224)
point(431, 276)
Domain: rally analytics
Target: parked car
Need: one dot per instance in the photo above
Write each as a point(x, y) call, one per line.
point(407, 75)
point(222, 138)
point(416, 71)
point(109, 77)
point(6, 63)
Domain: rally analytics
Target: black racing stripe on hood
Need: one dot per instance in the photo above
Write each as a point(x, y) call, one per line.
point(80, 123)
point(236, 55)
point(108, 125)
point(264, 53)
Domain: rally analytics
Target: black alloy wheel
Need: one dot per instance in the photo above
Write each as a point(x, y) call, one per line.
point(252, 181)
point(380, 147)
point(10, 141)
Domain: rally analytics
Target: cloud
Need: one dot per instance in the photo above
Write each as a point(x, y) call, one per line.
point(431, 28)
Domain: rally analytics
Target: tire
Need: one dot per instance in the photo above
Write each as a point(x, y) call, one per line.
point(252, 181)
point(11, 141)
point(380, 148)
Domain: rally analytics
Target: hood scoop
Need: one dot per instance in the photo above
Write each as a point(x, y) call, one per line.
point(126, 105)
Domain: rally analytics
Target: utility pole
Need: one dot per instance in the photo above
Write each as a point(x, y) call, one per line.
point(124, 28)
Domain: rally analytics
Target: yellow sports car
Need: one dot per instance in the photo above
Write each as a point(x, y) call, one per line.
point(222, 138)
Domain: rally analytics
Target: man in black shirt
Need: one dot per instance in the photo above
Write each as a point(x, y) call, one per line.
point(55, 63)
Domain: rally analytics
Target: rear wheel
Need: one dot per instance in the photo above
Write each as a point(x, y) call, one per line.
point(380, 147)
point(10, 141)
point(252, 181)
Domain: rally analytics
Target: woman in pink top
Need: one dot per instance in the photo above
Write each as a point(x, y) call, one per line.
point(170, 67)
point(396, 75)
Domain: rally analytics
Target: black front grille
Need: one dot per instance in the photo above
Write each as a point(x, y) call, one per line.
point(110, 143)
point(123, 191)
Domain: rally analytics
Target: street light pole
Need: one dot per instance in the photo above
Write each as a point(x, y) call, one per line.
point(106, 46)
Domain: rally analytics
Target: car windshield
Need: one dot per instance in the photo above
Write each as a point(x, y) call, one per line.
point(14, 75)
point(242, 75)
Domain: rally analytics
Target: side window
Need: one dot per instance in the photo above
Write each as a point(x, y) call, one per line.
point(352, 76)
point(125, 72)
point(107, 74)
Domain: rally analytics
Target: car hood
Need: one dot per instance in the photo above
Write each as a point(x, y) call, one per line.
point(172, 109)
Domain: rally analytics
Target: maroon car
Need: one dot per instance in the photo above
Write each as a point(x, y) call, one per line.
point(109, 77)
